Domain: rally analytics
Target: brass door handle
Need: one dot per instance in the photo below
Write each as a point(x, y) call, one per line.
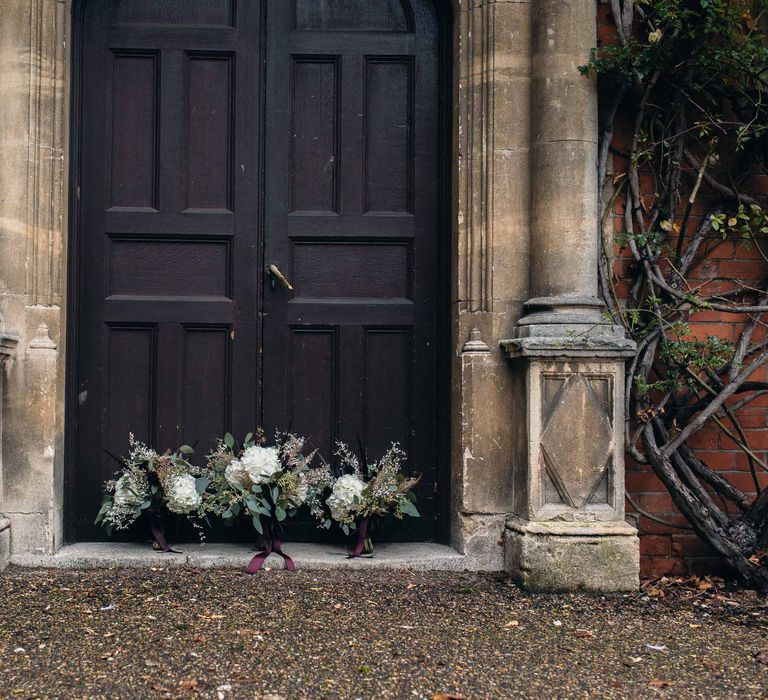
point(274, 272)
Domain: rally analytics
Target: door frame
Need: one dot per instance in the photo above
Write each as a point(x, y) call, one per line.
point(445, 19)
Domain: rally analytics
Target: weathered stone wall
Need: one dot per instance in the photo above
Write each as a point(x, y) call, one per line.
point(34, 66)
point(492, 45)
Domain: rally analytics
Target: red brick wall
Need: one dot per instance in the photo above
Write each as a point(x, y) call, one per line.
point(665, 549)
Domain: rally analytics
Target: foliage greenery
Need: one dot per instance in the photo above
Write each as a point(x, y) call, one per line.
point(687, 82)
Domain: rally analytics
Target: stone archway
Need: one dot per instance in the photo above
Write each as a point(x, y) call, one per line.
point(523, 200)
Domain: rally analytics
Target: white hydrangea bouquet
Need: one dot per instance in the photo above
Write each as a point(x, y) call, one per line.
point(366, 491)
point(151, 484)
point(267, 484)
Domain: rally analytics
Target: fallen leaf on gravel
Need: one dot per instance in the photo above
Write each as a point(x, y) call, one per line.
point(411, 586)
point(512, 623)
point(151, 663)
point(657, 683)
point(632, 660)
point(104, 608)
point(19, 650)
point(656, 647)
point(762, 656)
point(189, 683)
point(337, 606)
point(557, 623)
point(694, 627)
point(584, 634)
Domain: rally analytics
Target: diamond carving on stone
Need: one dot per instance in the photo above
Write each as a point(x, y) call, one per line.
point(577, 441)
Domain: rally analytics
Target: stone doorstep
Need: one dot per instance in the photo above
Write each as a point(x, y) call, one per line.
point(423, 556)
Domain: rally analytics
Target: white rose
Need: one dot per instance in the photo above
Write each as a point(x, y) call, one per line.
point(181, 494)
point(261, 463)
point(127, 492)
point(342, 498)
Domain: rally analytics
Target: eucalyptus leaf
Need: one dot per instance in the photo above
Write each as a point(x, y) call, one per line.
point(229, 441)
point(201, 483)
point(186, 450)
point(252, 503)
point(257, 524)
point(409, 509)
point(279, 514)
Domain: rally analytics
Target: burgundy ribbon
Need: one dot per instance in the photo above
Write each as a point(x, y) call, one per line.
point(272, 545)
point(158, 531)
point(362, 534)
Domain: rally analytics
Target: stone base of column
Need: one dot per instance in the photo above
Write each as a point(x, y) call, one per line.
point(568, 531)
point(562, 556)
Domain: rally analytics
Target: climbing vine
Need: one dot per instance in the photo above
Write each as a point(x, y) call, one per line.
point(683, 161)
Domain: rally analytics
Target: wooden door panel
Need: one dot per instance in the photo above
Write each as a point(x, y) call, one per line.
point(335, 15)
point(168, 264)
point(175, 12)
point(314, 146)
point(388, 127)
point(133, 181)
point(208, 169)
point(351, 219)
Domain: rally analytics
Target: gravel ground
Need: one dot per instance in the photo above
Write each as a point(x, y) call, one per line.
point(374, 634)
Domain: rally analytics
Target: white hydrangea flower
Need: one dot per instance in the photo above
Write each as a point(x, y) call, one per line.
point(181, 494)
point(260, 463)
point(302, 490)
point(127, 492)
point(235, 474)
point(342, 498)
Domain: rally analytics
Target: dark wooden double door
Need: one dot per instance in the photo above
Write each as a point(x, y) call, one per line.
point(216, 138)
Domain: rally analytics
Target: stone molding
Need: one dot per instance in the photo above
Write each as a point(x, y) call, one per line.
point(46, 181)
point(475, 146)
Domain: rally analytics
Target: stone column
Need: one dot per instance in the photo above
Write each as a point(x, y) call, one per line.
point(568, 529)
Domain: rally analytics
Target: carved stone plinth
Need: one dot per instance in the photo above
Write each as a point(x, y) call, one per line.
point(568, 531)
